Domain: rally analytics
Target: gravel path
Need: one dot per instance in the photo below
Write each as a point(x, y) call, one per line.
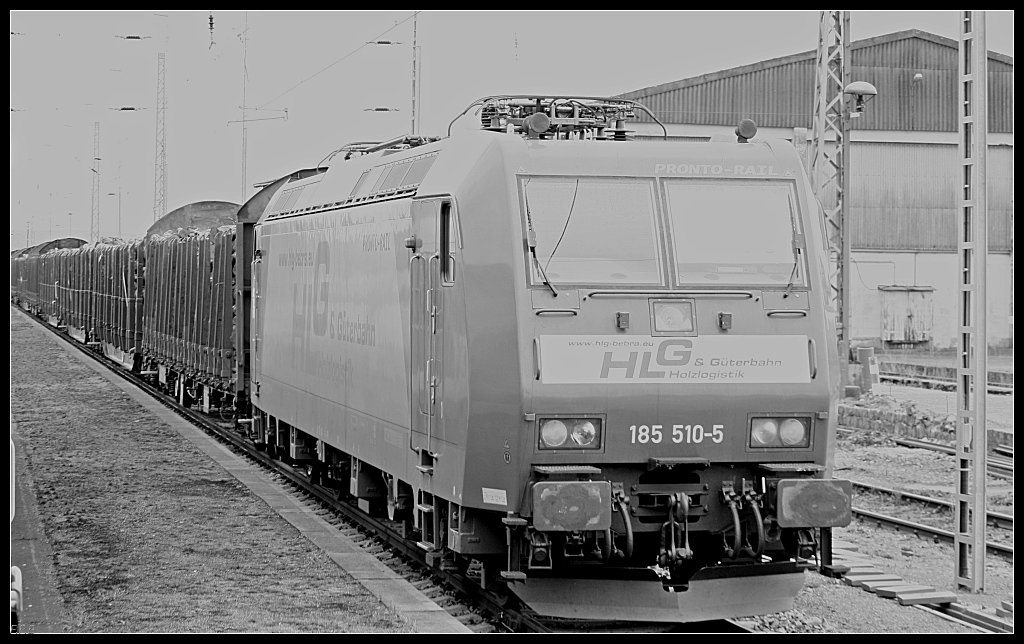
point(148, 534)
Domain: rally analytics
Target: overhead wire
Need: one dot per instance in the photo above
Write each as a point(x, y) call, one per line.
point(351, 53)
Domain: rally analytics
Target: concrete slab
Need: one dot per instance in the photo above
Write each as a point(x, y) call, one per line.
point(331, 545)
point(305, 522)
point(873, 586)
point(858, 582)
point(856, 562)
point(358, 563)
point(892, 591)
point(874, 572)
point(933, 597)
point(422, 613)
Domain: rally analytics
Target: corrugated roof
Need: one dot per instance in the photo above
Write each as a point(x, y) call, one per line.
point(780, 92)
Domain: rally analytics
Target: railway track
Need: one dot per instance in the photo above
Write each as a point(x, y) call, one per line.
point(460, 593)
point(997, 465)
point(942, 384)
point(995, 519)
point(1005, 450)
point(1002, 469)
point(920, 529)
point(956, 612)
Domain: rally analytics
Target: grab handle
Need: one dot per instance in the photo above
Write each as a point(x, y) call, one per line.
point(812, 354)
point(545, 312)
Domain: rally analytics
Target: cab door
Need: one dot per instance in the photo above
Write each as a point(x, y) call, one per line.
point(256, 311)
point(431, 268)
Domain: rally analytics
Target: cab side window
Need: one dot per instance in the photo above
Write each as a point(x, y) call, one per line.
point(447, 245)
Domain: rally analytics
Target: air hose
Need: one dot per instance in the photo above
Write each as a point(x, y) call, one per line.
point(629, 528)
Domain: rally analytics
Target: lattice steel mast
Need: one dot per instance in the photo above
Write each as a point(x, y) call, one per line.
point(160, 170)
point(970, 509)
point(94, 220)
point(829, 177)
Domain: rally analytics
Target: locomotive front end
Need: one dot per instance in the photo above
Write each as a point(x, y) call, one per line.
point(680, 407)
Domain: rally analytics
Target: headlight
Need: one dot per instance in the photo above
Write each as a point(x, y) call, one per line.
point(793, 433)
point(764, 432)
point(780, 432)
point(553, 433)
point(673, 317)
point(584, 433)
point(570, 433)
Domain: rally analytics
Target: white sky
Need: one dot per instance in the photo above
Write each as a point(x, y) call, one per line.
point(72, 69)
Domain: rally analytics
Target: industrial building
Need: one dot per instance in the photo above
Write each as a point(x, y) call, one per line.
point(904, 165)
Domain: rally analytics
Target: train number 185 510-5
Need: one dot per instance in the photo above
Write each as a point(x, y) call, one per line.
point(680, 433)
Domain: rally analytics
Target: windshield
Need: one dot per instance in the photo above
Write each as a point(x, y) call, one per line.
point(733, 233)
point(592, 230)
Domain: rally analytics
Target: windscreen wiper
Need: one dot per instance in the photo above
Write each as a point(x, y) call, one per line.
point(568, 218)
point(531, 240)
point(792, 274)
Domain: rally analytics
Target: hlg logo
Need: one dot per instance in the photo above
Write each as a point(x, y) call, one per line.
point(671, 353)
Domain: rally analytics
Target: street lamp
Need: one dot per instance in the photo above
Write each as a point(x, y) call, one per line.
point(861, 92)
point(855, 95)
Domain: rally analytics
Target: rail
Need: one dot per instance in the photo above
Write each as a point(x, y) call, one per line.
point(941, 384)
point(995, 519)
point(920, 528)
point(997, 466)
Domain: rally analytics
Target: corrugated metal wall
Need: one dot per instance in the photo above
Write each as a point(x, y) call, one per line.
point(773, 97)
point(929, 103)
point(780, 93)
point(904, 196)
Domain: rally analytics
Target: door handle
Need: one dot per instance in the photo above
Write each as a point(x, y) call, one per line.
point(431, 382)
point(812, 355)
point(536, 359)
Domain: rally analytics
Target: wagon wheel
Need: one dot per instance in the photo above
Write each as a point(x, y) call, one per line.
point(227, 411)
point(315, 472)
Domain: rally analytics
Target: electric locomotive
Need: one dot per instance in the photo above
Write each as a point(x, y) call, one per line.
point(599, 370)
